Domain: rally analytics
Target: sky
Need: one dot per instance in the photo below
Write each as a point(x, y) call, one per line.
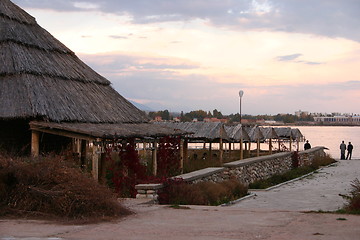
point(184, 55)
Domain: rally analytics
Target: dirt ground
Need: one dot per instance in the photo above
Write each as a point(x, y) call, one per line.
point(248, 219)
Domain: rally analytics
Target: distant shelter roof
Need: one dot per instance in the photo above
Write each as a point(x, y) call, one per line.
point(237, 132)
point(200, 130)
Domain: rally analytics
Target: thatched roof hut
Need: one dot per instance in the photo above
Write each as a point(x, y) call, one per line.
point(40, 78)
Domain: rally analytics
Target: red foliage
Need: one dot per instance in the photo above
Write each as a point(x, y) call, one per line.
point(168, 157)
point(128, 171)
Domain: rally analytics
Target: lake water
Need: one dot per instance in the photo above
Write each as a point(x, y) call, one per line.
point(331, 138)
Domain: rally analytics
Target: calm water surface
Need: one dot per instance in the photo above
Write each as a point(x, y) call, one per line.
point(331, 138)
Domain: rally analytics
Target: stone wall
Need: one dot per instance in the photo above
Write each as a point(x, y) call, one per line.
point(246, 170)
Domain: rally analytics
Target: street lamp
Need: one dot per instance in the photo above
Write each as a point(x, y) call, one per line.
point(241, 93)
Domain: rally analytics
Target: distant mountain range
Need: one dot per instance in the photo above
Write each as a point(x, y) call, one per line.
point(142, 106)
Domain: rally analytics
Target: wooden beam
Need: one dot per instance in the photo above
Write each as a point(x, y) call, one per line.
point(154, 157)
point(221, 151)
point(95, 163)
point(35, 143)
point(270, 146)
point(241, 149)
point(62, 133)
point(182, 155)
point(186, 147)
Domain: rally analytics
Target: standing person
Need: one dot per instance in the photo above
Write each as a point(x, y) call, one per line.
point(307, 145)
point(342, 150)
point(349, 153)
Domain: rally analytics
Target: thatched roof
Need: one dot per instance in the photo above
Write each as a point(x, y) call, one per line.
point(40, 78)
point(106, 131)
point(269, 133)
point(256, 134)
point(237, 132)
point(201, 130)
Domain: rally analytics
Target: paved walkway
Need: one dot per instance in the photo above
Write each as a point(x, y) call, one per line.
point(319, 191)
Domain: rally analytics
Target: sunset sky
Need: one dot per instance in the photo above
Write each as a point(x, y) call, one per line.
point(183, 55)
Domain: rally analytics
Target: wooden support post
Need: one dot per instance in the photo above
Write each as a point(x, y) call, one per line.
point(83, 150)
point(249, 149)
point(95, 163)
point(154, 157)
point(258, 148)
point(270, 146)
point(221, 151)
point(186, 147)
point(279, 144)
point(210, 152)
point(35, 143)
point(290, 143)
point(298, 144)
point(241, 149)
point(182, 155)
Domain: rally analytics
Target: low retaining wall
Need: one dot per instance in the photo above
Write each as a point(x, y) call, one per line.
point(246, 171)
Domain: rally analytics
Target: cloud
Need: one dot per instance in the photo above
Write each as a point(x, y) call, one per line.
point(288, 57)
point(157, 82)
point(331, 18)
point(116, 63)
point(293, 57)
point(118, 37)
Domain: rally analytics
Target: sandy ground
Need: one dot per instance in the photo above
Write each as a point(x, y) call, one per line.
point(275, 214)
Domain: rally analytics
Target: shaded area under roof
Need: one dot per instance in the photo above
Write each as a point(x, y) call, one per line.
point(106, 131)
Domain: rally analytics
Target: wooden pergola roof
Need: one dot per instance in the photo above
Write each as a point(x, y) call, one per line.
point(237, 132)
point(199, 130)
point(92, 131)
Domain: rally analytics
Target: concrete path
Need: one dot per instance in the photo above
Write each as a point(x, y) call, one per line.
point(272, 215)
point(319, 191)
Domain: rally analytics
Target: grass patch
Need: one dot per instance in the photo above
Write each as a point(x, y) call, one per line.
point(52, 188)
point(203, 193)
point(293, 173)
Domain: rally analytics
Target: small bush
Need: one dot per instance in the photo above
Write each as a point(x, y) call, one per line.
point(203, 193)
point(51, 188)
point(353, 205)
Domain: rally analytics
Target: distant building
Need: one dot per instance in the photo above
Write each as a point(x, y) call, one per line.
point(339, 119)
point(158, 119)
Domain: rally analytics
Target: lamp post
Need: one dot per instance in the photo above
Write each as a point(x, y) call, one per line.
point(241, 93)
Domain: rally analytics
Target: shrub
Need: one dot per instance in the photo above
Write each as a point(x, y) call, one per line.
point(52, 188)
point(203, 193)
point(353, 199)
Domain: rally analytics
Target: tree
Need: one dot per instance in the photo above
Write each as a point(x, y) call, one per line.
point(217, 114)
